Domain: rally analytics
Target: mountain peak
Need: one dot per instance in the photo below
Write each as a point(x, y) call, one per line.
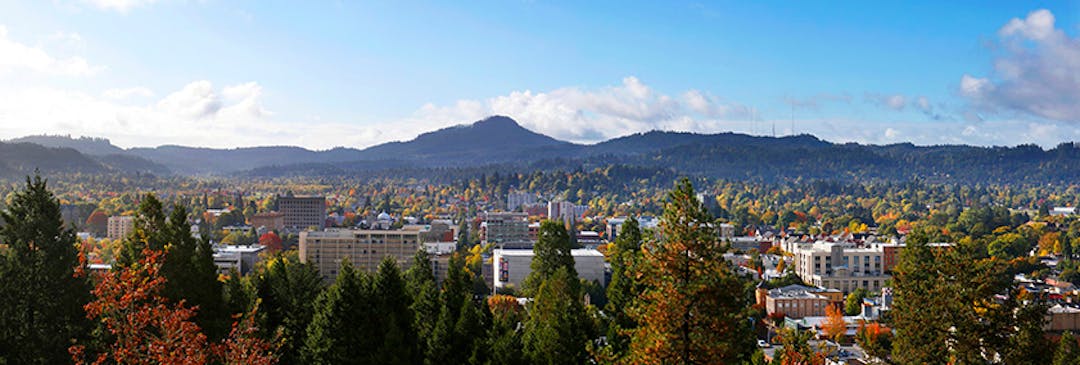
point(496, 121)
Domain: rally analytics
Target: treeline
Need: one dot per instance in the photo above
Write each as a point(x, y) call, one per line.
point(164, 303)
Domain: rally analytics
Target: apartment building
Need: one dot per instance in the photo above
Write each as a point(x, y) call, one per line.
point(119, 227)
point(844, 266)
point(365, 249)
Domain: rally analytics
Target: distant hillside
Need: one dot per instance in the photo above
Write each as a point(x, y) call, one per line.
point(86, 145)
point(21, 159)
point(500, 144)
point(193, 160)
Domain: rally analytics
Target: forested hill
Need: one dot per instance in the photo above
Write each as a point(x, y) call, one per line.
point(21, 159)
point(501, 143)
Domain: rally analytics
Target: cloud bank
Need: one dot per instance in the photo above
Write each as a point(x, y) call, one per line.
point(1036, 72)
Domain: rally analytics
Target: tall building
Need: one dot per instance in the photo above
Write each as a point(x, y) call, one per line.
point(302, 212)
point(519, 199)
point(365, 249)
point(506, 230)
point(119, 227)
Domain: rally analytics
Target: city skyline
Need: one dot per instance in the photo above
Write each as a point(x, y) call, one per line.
point(216, 74)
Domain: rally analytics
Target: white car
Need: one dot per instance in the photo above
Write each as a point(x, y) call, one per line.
point(763, 344)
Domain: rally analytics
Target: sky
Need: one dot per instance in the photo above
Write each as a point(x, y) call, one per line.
point(225, 74)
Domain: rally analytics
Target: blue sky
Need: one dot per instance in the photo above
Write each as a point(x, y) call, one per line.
point(323, 74)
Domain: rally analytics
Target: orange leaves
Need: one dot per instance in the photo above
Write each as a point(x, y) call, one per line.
point(145, 328)
point(834, 325)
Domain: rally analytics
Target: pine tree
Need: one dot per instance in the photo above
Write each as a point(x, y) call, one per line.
point(339, 332)
point(458, 330)
point(393, 318)
point(920, 334)
point(192, 275)
point(556, 331)
point(42, 291)
point(286, 288)
point(423, 299)
point(623, 289)
point(552, 252)
point(693, 310)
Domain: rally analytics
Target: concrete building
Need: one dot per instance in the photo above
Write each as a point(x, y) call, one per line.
point(511, 266)
point(845, 266)
point(519, 199)
point(301, 212)
point(365, 249)
point(241, 258)
point(271, 220)
point(506, 230)
point(119, 227)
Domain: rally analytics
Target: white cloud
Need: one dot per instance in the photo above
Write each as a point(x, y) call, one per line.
point(895, 102)
point(203, 114)
point(128, 93)
point(17, 57)
point(1036, 73)
point(120, 6)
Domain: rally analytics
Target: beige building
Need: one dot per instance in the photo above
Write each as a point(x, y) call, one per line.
point(270, 220)
point(845, 266)
point(798, 301)
point(301, 212)
point(119, 227)
point(365, 249)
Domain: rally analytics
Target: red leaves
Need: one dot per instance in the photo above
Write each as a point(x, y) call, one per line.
point(147, 329)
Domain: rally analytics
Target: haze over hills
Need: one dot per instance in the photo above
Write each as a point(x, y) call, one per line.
point(503, 142)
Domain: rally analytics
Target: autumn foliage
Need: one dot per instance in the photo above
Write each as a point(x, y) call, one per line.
point(143, 327)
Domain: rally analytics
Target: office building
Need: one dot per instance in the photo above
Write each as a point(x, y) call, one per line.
point(365, 249)
point(302, 212)
point(506, 230)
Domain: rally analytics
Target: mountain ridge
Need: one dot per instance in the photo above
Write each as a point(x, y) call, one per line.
point(501, 141)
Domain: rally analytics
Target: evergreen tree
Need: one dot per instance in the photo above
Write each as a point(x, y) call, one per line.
point(920, 334)
point(552, 252)
point(393, 317)
point(423, 298)
point(459, 329)
point(286, 288)
point(504, 337)
point(1068, 353)
point(957, 303)
point(42, 289)
point(191, 275)
point(556, 331)
point(623, 289)
point(340, 331)
point(693, 310)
